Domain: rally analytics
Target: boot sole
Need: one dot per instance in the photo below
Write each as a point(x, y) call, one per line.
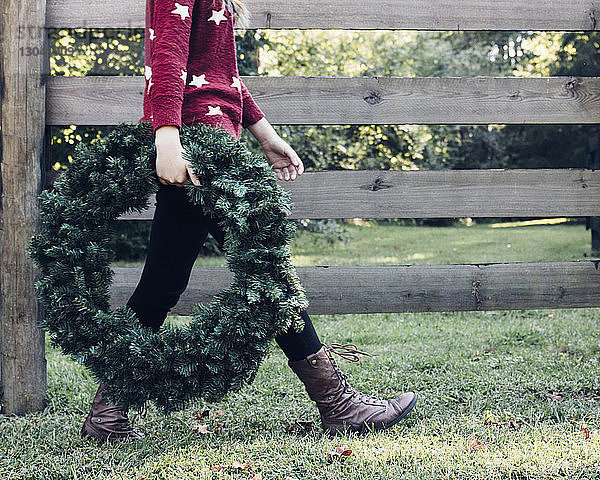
point(341, 429)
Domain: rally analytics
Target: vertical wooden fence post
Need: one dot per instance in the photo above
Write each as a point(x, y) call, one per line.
point(593, 162)
point(23, 73)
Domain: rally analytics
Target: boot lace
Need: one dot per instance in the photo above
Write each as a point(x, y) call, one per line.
point(349, 351)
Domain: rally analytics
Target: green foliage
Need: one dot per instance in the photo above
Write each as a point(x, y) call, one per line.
point(376, 53)
point(221, 349)
point(330, 231)
point(443, 54)
point(579, 54)
point(247, 46)
point(96, 51)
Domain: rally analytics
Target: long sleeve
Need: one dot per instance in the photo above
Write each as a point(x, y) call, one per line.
point(166, 75)
point(251, 113)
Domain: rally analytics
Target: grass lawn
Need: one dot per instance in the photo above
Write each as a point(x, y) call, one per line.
point(509, 395)
point(371, 244)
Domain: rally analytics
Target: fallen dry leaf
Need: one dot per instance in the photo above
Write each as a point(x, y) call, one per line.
point(201, 429)
point(514, 424)
point(586, 433)
point(340, 451)
point(476, 444)
point(200, 416)
point(299, 426)
point(555, 396)
point(240, 465)
point(219, 427)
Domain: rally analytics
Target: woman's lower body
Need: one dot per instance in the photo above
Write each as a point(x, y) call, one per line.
point(179, 229)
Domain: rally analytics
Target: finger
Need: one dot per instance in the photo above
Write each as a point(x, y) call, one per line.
point(278, 173)
point(300, 168)
point(292, 155)
point(286, 174)
point(182, 183)
point(292, 173)
point(193, 177)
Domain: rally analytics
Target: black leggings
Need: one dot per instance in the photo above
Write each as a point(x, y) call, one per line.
point(178, 231)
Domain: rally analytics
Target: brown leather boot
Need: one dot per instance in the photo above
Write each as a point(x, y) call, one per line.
point(108, 422)
point(340, 405)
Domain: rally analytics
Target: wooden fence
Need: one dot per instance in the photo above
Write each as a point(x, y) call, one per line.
point(95, 100)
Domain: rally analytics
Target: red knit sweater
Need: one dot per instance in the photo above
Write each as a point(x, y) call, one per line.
point(191, 67)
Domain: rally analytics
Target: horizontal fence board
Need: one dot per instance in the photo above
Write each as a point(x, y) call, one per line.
point(436, 194)
point(108, 100)
point(358, 14)
point(415, 288)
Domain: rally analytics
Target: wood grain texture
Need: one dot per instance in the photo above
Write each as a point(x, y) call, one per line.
point(436, 194)
point(22, 129)
point(413, 288)
point(108, 100)
point(358, 14)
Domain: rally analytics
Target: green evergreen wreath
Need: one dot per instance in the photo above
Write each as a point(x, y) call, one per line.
point(222, 346)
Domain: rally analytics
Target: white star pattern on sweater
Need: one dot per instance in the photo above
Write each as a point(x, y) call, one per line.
point(148, 75)
point(181, 10)
point(152, 36)
point(199, 80)
point(183, 75)
point(236, 84)
point(217, 16)
point(214, 110)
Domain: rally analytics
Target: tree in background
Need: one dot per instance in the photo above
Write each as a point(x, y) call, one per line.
point(557, 146)
point(446, 53)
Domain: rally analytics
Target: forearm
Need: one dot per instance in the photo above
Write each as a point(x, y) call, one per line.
point(263, 131)
point(167, 54)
